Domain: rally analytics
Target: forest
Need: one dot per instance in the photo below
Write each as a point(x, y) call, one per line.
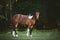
point(49, 17)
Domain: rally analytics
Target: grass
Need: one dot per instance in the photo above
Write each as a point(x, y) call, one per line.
point(37, 35)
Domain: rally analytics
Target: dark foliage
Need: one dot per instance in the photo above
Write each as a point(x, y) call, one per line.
point(47, 8)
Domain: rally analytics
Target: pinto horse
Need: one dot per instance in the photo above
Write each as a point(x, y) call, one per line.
point(24, 20)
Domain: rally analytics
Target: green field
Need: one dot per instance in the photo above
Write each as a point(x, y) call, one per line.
point(37, 35)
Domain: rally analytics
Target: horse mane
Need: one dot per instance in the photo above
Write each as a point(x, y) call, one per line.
point(34, 16)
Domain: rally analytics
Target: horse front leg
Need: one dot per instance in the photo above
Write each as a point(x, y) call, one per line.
point(29, 31)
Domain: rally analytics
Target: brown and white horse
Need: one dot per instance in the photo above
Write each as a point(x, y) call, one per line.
point(24, 20)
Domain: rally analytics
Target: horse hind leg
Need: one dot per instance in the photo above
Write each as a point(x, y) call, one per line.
point(14, 33)
point(16, 30)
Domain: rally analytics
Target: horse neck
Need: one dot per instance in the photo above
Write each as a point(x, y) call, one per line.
point(34, 17)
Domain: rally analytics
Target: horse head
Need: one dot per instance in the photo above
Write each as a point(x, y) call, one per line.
point(36, 15)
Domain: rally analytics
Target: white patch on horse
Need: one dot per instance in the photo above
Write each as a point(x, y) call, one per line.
point(13, 33)
point(30, 17)
point(30, 35)
point(16, 35)
point(28, 32)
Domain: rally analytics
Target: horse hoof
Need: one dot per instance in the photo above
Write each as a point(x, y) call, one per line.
point(13, 35)
point(27, 35)
point(16, 35)
point(30, 35)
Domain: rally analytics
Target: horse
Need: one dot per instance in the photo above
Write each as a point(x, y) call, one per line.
point(25, 20)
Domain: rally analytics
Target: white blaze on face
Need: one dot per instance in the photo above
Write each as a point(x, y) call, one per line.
point(30, 17)
point(37, 15)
